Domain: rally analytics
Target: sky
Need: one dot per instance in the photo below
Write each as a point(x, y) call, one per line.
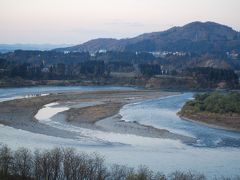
point(77, 21)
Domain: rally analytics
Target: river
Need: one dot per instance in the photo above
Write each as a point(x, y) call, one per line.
point(161, 113)
point(216, 153)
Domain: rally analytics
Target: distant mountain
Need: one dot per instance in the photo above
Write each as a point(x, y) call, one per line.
point(42, 47)
point(197, 37)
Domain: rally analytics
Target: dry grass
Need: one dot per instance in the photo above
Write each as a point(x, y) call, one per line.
point(93, 113)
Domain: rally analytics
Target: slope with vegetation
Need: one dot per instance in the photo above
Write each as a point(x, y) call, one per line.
point(222, 109)
point(195, 37)
point(195, 56)
point(116, 68)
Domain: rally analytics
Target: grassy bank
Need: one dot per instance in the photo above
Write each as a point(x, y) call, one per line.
point(220, 109)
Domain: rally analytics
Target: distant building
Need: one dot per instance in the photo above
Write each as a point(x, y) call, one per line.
point(45, 70)
point(92, 54)
point(66, 52)
point(167, 53)
point(102, 51)
point(179, 54)
point(233, 55)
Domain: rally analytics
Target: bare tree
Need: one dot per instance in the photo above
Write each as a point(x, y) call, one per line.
point(81, 162)
point(77, 166)
point(143, 173)
point(97, 169)
point(45, 166)
point(69, 163)
point(55, 163)
point(6, 158)
point(177, 175)
point(38, 173)
point(118, 172)
point(22, 163)
point(159, 176)
point(66, 164)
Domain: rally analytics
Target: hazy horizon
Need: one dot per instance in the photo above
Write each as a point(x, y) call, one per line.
point(77, 21)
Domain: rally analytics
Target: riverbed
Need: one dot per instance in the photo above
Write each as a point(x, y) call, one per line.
point(215, 153)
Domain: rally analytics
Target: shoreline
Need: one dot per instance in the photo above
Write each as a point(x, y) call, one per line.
point(208, 124)
point(109, 82)
point(112, 122)
point(20, 113)
point(117, 125)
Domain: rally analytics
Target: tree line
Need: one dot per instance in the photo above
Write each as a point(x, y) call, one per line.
point(215, 103)
point(210, 77)
point(54, 71)
point(212, 74)
point(50, 65)
point(67, 164)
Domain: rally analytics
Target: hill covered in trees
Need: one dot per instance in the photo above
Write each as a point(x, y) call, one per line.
point(173, 71)
point(195, 56)
point(195, 37)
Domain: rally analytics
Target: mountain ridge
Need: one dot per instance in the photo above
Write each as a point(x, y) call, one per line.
point(197, 37)
point(22, 46)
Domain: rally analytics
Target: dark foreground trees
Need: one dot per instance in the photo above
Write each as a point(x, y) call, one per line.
point(56, 164)
point(67, 164)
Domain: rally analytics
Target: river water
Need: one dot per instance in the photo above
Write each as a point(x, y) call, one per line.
point(161, 113)
point(216, 153)
point(14, 93)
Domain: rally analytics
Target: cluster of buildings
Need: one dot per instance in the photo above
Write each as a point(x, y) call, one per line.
point(100, 51)
point(167, 53)
point(233, 55)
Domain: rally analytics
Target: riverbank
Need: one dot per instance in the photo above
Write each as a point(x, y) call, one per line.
point(162, 154)
point(215, 109)
point(86, 110)
point(214, 120)
point(171, 83)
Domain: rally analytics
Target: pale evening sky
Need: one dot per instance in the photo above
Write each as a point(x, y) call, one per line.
point(76, 21)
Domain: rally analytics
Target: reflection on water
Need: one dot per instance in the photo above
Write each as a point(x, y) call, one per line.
point(161, 113)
